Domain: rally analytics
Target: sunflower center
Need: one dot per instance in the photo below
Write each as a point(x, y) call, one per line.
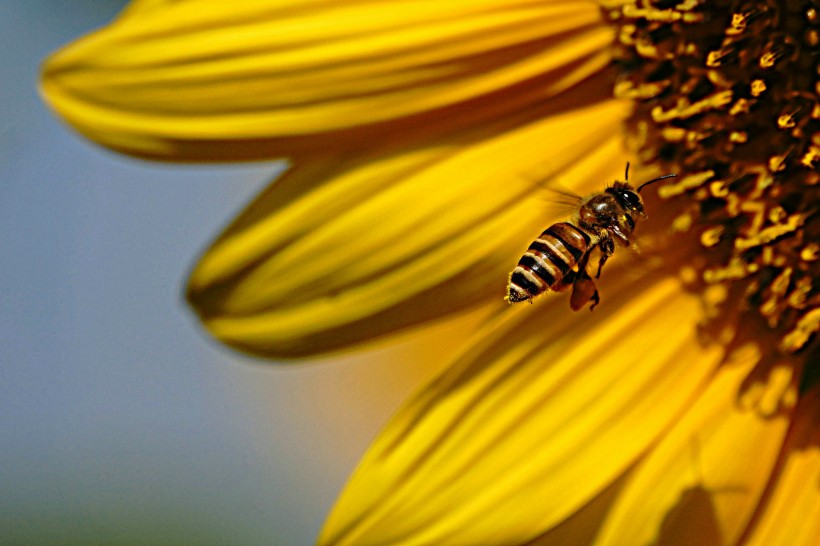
point(726, 96)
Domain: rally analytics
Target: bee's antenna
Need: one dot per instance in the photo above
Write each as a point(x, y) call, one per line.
point(654, 179)
point(626, 174)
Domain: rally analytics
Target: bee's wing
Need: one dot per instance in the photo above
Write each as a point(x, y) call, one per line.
point(563, 201)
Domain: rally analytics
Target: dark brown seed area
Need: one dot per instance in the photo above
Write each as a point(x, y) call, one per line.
point(726, 95)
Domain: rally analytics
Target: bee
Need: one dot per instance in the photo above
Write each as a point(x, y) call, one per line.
point(558, 258)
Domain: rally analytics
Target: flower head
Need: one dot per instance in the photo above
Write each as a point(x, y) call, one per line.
point(421, 137)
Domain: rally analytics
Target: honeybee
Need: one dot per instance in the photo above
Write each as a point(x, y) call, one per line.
point(558, 258)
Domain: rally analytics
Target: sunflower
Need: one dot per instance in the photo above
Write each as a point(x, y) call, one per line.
point(421, 137)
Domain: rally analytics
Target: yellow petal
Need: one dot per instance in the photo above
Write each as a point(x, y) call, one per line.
point(208, 80)
point(394, 240)
point(703, 481)
point(582, 526)
point(541, 414)
point(791, 514)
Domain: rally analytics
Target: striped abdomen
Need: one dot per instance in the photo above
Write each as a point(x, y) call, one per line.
point(549, 258)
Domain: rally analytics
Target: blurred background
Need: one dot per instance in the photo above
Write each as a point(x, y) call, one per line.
point(121, 422)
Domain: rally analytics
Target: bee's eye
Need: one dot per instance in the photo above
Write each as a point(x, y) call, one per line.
point(632, 200)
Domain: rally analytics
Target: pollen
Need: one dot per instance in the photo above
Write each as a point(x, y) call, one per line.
point(726, 96)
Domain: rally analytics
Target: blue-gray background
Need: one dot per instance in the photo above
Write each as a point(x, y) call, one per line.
point(120, 421)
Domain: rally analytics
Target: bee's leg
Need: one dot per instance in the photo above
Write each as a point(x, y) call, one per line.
point(583, 287)
point(595, 299)
point(607, 247)
point(573, 274)
point(583, 291)
point(567, 281)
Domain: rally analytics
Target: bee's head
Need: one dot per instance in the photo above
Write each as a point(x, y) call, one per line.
point(627, 197)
